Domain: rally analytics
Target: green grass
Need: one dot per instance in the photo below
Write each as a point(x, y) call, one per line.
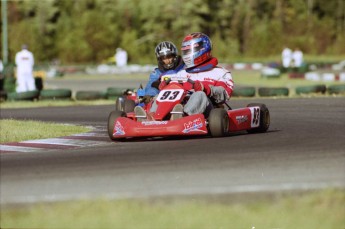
point(53, 103)
point(253, 78)
point(14, 130)
point(315, 210)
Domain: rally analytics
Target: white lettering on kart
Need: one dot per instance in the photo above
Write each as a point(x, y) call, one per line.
point(241, 119)
point(194, 125)
point(149, 123)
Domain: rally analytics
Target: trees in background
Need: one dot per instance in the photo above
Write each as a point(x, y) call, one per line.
point(89, 31)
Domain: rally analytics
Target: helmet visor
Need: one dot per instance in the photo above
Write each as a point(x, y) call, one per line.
point(192, 48)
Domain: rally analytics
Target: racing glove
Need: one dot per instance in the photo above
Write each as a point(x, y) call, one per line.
point(164, 83)
point(146, 99)
point(155, 84)
point(219, 94)
point(199, 86)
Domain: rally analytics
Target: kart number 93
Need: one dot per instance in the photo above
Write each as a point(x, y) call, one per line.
point(170, 95)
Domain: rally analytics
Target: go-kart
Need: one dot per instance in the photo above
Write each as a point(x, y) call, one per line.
point(129, 100)
point(221, 121)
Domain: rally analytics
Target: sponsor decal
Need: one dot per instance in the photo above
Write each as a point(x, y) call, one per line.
point(241, 119)
point(118, 129)
point(194, 125)
point(209, 79)
point(150, 123)
point(178, 78)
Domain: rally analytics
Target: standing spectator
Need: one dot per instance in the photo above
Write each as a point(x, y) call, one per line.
point(286, 57)
point(25, 64)
point(297, 57)
point(121, 57)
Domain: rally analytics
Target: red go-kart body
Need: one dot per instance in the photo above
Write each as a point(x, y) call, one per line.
point(220, 122)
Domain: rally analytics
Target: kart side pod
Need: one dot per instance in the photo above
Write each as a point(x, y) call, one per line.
point(255, 118)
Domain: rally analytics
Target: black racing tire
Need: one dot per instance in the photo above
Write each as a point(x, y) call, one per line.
point(26, 96)
point(129, 105)
point(111, 121)
point(89, 95)
point(264, 120)
point(273, 91)
point(124, 104)
point(244, 92)
point(119, 103)
point(311, 89)
point(55, 94)
point(114, 92)
point(336, 89)
point(218, 122)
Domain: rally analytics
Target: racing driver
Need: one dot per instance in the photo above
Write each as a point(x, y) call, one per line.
point(213, 85)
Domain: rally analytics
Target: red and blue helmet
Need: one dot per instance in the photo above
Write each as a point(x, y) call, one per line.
point(196, 49)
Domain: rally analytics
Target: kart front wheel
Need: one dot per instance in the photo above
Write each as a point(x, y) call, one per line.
point(218, 122)
point(111, 121)
point(264, 118)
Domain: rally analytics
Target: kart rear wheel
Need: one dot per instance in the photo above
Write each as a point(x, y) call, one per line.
point(218, 122)
point(119, 103)
point(264, 118)
point(111, 121)
point(129, 105)
point(124, 104)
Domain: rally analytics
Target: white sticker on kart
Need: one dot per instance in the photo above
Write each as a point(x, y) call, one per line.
point(255, 120)
point(170, 95)
point(174, 77)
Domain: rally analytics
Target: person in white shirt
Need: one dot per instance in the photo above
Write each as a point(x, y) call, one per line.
point(25, 63)
point(286, 57)
point(297, 57)
point(121, 57)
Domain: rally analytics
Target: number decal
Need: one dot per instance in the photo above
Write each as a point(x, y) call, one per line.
point(170, 95)
point(255, 111)
point(174, 95)
point(165, 95)
point(256, 116)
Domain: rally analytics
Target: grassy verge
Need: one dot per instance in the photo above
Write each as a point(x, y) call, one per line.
point(53, 103)
point(14, 130)
point(322, 209)
point(253, 78)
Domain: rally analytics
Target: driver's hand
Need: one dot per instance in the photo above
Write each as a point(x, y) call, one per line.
point(146, 99)
point(163, 84)
point(198, 86)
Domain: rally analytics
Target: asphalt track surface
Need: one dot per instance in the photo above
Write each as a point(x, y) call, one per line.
point(304, 149)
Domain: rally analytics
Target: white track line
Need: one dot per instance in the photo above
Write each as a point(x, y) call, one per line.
point(67, 142)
